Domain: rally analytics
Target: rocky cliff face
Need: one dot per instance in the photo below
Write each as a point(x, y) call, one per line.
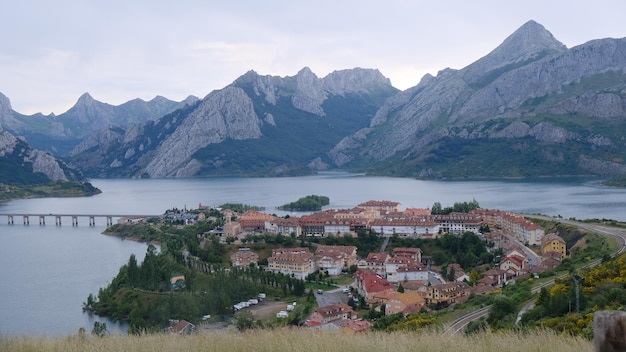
point(531, 77)
point(88, 116)
point(31, 160)
point(256, 111)
point(228, 113)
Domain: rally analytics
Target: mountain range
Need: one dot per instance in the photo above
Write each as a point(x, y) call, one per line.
point(531, 107)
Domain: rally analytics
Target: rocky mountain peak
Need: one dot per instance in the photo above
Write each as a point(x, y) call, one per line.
point(527, 40)
point(530, 42)
point(354, 80)
point(310, 93)
point(159, 99)
point(85, 100)
point(5, 105)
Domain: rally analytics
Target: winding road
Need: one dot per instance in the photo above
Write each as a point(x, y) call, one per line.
point(620, 234)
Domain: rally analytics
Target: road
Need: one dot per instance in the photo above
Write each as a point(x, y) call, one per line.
point(531, 256)
point(528, 306)
point(460, 323)
point(619, 234)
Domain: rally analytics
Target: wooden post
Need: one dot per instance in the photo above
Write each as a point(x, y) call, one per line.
point(609, 331)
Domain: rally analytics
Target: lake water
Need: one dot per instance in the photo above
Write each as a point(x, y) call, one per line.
point(48, 271)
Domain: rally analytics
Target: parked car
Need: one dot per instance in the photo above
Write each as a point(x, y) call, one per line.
point(282, 314)
point(319, 292)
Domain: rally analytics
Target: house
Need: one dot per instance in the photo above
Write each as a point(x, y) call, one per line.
point(513, 262)
point(181, 327)
point(329, 222)
point(448, 293)
point(328, 314)
point(284, 226)
point(412, 272)
point(512, 225)
point(455, 271)
point(416, 285)
point(549, 262)
point(377, 263)
point(405, 226)
point(344, 257)
point(493, 277)
point(407, 302)
point(403, 268)
point(392, 265)
point(383, 206)
point(292, 261)
point(254, 221)
point(232, 228)
point(368, 284)
point(459, 223)
point(553, 243)
point(330, 262)
point(413, 253)
point(244, 257)
point(355, 326)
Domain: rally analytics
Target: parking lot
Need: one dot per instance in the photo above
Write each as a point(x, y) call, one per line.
point(331, 297)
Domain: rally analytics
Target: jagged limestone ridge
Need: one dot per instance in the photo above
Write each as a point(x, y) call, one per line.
point(227, 113)
point(529, 64)
point(307, 91)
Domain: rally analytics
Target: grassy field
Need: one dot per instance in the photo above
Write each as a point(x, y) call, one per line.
point(305, 340)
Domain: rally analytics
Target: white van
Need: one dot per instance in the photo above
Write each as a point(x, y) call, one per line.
point(282, 314)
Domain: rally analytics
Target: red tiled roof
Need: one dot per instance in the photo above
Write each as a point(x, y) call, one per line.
point(375, 283)
point(379, 258)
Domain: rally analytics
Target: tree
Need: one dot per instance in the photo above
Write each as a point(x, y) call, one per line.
point(133, 271)
point(400, 288)
point(99, 329)
point(91, 300)
point(502, 308)
point(244, 321)
point(436, 209)
point(352, 303)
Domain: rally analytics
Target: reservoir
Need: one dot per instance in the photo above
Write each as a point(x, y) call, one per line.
point(48, 270)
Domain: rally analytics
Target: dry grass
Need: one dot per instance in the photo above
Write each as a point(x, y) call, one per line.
point(305, 340)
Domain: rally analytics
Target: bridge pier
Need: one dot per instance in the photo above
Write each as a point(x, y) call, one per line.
point(10, 219)
point(26, 220)
point(42, 220)
point(58, 220)
point(74, 220)
point(92, 221)
point(109, 221)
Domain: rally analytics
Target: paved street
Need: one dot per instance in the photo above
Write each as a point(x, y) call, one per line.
point(331, 297)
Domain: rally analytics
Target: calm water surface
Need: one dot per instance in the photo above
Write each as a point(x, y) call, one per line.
point(48, 271)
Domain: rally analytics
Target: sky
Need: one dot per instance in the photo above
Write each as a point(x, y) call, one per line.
point(53, 51)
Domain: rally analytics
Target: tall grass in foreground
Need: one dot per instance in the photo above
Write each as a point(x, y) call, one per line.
point(305, 340)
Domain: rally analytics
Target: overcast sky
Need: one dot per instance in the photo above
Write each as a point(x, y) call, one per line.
point(53, 51)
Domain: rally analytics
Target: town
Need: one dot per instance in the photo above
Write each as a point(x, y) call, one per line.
point(401, 280)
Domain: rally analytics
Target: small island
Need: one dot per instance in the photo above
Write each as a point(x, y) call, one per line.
point(619, 181)
point(308, 203)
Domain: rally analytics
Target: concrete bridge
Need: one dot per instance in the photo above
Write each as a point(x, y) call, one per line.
point(74, 218)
